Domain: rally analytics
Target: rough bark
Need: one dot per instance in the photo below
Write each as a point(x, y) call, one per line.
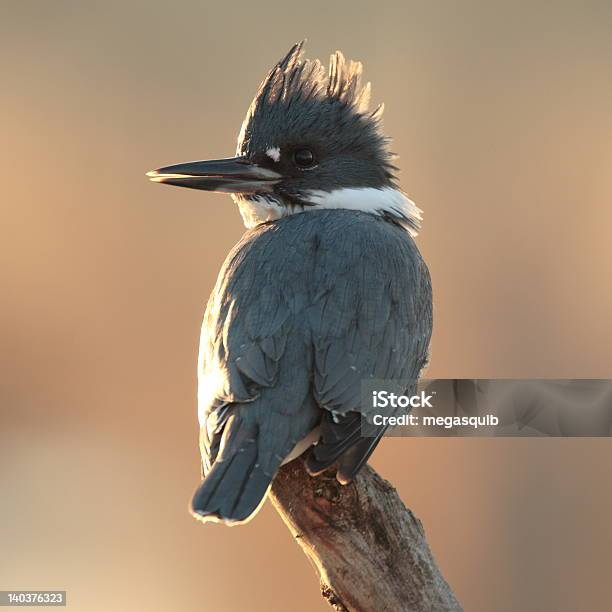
point(369, 549)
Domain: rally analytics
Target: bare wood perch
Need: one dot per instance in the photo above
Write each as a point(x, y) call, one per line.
point(369, 549)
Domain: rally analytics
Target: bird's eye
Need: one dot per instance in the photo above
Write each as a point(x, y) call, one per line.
point(304, 158)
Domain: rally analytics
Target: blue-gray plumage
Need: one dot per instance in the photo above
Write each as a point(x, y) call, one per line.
point(327, 288)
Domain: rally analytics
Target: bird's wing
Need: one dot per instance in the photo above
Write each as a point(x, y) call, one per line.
point(371, 319)
point(254, 358)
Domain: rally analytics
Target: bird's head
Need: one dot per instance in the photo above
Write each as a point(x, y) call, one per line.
point(309, 141)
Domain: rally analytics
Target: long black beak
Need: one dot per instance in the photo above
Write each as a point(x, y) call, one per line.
point(232, 175)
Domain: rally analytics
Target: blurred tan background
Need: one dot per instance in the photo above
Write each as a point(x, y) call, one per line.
point(501, 113)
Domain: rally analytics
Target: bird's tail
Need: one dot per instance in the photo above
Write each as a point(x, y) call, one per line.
point(236, 484)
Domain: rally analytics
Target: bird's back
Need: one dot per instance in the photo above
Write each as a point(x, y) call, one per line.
point(304, 309)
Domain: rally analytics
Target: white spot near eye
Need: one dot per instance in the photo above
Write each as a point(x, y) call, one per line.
point(273, 153)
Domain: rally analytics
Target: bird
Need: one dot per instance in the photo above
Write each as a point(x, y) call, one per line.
point(326, 288)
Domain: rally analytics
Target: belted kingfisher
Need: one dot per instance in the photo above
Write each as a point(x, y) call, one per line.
point(325, 289)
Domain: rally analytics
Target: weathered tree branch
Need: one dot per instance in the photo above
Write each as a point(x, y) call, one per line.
point(368, 548)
